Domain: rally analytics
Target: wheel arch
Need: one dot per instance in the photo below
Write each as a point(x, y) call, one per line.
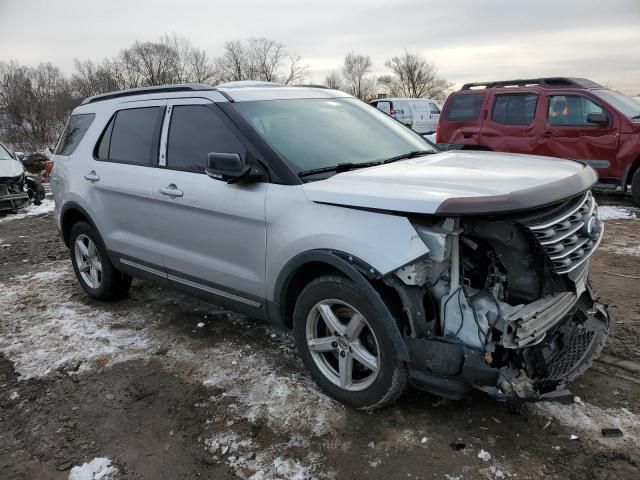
point(629, 173)
point(305, 267)
point(71, 214)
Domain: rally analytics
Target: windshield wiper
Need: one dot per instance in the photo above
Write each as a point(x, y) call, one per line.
point(341, 167)
point(405, 156)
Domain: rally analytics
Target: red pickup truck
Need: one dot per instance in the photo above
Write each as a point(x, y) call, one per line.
point(562, 117)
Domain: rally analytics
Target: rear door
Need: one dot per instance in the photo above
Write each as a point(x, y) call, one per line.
point(510, 124)
point(461, 122)
point(213, 233)
point(422, 116)
point(566, 132)
point(119, 181)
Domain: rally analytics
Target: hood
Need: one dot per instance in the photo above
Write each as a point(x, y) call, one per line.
point(10, 168)
point(455, 183)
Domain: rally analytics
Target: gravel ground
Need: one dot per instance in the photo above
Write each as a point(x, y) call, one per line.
point(161, 386)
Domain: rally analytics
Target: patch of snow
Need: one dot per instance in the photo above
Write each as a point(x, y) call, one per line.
point(632, 250)
point(237, 452)
point(14, 396)
point(608, 212)
point(73, 333)
point(100, 468)
point(200, 324)
point(484, 455)
point(591, 419)
point(45, 207)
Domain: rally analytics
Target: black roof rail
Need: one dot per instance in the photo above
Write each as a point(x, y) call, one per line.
point(180, 87)
point(548, 82)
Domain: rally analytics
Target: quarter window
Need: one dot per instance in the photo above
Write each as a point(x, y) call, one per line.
point(75, 129)
point(571, 110)
point(194, 132)
point(515, 109)
point(132, 136)
point(465, 107)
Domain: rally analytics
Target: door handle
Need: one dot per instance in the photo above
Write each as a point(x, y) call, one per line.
point(92, 176)
point(171, 191)
point(547, 134)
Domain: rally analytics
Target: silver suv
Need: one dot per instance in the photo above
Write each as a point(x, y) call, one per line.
point(392, 262)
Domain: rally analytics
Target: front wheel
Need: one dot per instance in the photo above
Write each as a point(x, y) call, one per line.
point(635, 187)
point(343, 343)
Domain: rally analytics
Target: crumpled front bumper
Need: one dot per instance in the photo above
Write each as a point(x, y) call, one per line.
point(12, 201)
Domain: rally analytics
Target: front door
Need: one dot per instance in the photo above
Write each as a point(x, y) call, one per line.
point(568, 134)
point(213, 233)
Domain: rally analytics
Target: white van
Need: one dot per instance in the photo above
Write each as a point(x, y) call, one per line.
point(420, 114)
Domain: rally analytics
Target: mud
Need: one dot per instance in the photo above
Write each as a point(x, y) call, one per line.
point(138, 382)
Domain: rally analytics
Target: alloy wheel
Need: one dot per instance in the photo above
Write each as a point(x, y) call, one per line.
point(88, 261)
point(343, 345)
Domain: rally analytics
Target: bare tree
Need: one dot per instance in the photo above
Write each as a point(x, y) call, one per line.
point(333, 80)
point(192, 64)
point(151, 63)
point(36, 102)
point(356, 73)
point(260, 59)
point(413, 76)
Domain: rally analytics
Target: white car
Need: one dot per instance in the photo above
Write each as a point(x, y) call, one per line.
point(420, 114)
point(17, 189)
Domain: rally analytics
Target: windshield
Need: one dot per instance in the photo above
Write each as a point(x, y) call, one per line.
point(622, 103)
point(318, 133)
point(4, 153)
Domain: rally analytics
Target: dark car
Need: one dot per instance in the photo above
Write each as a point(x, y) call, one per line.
point(572, 118)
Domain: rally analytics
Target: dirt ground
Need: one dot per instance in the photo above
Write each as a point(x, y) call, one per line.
point(167, 387)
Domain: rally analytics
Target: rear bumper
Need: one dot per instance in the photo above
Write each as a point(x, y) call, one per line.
point(11, 202)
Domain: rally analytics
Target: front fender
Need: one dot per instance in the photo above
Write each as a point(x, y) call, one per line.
point(351, 267)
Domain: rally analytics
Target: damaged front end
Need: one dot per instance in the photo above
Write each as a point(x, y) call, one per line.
point(19, 191)
point(502, 303)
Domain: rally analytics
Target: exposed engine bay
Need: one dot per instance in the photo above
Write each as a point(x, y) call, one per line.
point(503, 303)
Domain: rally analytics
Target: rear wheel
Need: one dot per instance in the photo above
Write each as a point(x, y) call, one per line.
point(95, 272)
point(635, 187)
point(343, 343)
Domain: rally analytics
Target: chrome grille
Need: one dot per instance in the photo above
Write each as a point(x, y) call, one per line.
point(568, 235)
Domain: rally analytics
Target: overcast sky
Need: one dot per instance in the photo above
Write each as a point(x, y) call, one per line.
point(469, 40)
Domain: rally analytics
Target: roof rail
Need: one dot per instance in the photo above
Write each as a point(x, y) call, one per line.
point(180, 87)
point(548, 82)
point(311, 85)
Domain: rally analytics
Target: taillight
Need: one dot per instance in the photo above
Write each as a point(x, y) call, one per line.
point(48, 166)
point(438, 139)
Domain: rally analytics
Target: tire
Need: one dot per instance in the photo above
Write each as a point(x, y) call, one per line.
point(36, 190)
point(95, 272)
point(335, 326)
point(635, 187)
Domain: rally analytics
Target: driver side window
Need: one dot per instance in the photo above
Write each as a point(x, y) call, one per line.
point(194, 132)
point(571, 110)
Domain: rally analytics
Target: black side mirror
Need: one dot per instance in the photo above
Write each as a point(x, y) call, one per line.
point(230, 168)
point(598, 119)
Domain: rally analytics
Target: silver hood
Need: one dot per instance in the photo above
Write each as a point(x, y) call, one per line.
point(456, 182)
point(10, 168)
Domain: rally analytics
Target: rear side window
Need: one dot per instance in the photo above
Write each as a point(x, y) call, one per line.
point(194, 132)
point(132, 136)
point(515, 109)
point(464, 107)
point(76, 127)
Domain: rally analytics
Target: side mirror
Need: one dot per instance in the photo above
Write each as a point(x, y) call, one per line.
point(230, 168)
point(19, 156)
point(597, 119)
